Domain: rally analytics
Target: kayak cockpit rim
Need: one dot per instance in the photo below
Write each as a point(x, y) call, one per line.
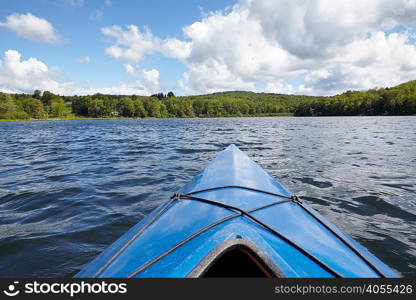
point(225, 256)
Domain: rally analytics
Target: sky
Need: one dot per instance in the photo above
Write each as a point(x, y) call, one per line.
point(312, 47)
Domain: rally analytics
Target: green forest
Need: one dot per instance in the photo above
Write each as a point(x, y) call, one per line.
point(399, 100)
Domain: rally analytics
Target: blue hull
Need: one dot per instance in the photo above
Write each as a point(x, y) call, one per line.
point(249, 210)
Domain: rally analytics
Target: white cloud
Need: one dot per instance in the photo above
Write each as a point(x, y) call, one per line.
point(32, 28)
point(318, 28)
point(130, 45)
point(333, 45)
point(24, 76)
point(176, 49)
point(211, 78)
point(108, 2)
point(231, 52)
point(327, 46)
point(380, 60)
point(273, 41)
point(21, 76)
point(83, 60)
point(129, 69)
point(150, 79)
point(213, 64)
point(279, 88)
point(135, 88)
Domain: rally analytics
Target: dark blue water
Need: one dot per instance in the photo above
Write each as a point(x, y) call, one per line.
point(68, 189)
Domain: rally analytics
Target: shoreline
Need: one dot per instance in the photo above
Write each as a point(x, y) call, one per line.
point(288, 115)
point(285, 115)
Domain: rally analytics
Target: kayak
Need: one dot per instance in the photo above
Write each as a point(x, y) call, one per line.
point(234, 220)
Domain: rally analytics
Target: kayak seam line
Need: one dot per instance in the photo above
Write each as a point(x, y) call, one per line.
point(240, 187)
point(356, 251)
point(276, 233)
point(295, 199)
point(156, 259)
point(144, 227)
point(240, 213)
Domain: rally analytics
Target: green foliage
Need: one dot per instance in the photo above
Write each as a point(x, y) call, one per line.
point(96, 108)
point(160, 96)
point(37, 94)
point(126, 107)
point(139, 110)
point(58, 108)
point(399, 100)
point(32, 107)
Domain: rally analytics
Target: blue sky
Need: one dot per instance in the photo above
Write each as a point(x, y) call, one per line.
point(194, 47)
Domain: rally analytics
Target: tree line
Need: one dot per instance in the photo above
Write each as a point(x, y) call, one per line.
point(167, 107)
point(36, 106)
point(399, 100)
point(47, 105)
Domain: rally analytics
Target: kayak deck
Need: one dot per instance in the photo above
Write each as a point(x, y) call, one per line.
point(188, 238)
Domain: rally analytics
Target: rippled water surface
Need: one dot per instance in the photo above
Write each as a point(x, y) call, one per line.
point(68, 189)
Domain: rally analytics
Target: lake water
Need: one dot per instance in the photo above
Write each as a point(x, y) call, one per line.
point(68, 189)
